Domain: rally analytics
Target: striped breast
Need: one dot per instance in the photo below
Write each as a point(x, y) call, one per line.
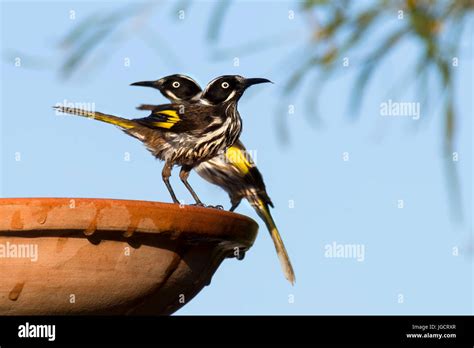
point(215, 138)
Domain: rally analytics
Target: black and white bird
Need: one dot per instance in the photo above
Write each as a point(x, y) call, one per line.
point(236, 173)
point(187, 133)
point(233, 170)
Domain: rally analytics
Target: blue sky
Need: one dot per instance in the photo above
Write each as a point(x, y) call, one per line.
point(319, 198)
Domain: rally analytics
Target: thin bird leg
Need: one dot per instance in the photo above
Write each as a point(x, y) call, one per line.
point(235, 204)
point(165, 174)
point(183, 175)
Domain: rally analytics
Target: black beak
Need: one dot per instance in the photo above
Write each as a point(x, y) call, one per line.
point(255, 81)
point(144, 84)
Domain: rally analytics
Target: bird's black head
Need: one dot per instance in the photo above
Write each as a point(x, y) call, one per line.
point(228, 87)
point(174, 87)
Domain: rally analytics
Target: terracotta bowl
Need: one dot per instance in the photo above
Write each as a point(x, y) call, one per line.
point(61, 256)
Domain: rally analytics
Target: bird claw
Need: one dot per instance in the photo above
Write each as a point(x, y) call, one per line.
point(241, 255)
point(198, 205)
point(218, 207)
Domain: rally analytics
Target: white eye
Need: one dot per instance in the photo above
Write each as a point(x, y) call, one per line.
point(225, 85)
point(176, 84)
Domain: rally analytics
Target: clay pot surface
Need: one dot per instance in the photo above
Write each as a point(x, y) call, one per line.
point(69, 256)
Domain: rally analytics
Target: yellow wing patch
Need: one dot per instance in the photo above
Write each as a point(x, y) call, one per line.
point(172, 119)
point(235, 156)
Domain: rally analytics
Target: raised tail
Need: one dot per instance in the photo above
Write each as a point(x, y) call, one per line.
point(262, 210)
point(115, 120)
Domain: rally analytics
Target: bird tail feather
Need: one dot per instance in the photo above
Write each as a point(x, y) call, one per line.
point(262, 210)
point(115, 120)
